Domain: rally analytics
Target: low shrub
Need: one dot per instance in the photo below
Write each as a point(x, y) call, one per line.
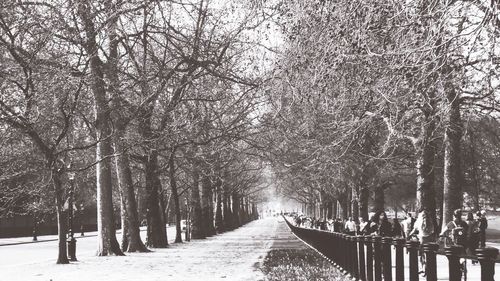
point(298, 265)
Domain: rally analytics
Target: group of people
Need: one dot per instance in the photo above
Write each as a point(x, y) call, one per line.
point(469, 233)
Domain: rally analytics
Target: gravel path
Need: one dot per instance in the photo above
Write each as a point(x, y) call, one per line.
point(230, 256)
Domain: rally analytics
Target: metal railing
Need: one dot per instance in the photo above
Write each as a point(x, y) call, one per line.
point(370, 257)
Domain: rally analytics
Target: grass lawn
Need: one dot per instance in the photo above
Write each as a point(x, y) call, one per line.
point(298, 264)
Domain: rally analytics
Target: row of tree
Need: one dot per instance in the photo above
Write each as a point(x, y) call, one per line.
point(133, 97)
point(388, 102)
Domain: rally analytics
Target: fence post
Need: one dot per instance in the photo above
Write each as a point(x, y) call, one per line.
point(333, 248)
point(361, 258)
point(453, 255)
point(369, 258)
point(354, 252)
point(378, 257)
point(412, 247)
point(430, 250)
point(400, 263)
point(336, 245)
point(340, 257)
point(387, 258)
point(340, 254)
point(347, 255)
point(487, 257)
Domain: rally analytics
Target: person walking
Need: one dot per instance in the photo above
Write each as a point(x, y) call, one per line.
point(384, 226)
point(362, 226)
point(456, 230)
point(483, 225)
point(372, 225)
point(397, 229)
point(407, 225)
point(424, 228)
point(350, 226)
point(472, 233)
point(337, 225)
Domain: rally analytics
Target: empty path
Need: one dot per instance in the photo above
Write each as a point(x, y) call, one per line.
point(233, 255)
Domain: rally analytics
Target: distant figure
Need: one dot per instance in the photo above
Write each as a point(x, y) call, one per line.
point(337, 225)
point(384, 226)
point(472, 233)
point(341, 224)
point(456, 229)
point(397, 229)
point(362, 226)
point(350, 226)
point(297, 221)
point(372, 226)
point(424, 228)
point(407, 226)
point(322, 224)
point(483, 225)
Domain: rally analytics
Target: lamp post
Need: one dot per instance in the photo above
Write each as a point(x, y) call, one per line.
point(71, 239)
point(82, 233)
point(187, 221)
point(35, 228)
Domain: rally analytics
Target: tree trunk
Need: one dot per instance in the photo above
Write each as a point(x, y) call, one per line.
point(364, 195)
point(219, 223)
point(476, 184)
point(197, 218)
point(378, 199)
point(156, 230)
point(62, 257)
point(427, 142)
point(131, 239)
point(142, 206)
point(105, 215)
point(130, 218)
point(346, 203)
point(241, 212)
point(355, 209)
point(247, 210)
point(425, 167)
point(335, 208)
point(236, 210)
point(329, 209)
point(207, 206)
point(452, 192)
point(125, 228)
point(228, 216)
point(175, 197)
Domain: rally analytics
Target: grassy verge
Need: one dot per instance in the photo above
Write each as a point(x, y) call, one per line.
point(298, 265)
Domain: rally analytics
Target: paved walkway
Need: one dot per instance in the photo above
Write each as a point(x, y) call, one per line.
point(230, 256)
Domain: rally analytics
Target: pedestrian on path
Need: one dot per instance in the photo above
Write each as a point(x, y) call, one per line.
point(350, 226)
point(397, 229)
point(362, 226)
point(372, 226)
point(472, 234)
point(384, 226)
point(456, 230)
point(424, 228)
point(408, 224)
point(483, 225)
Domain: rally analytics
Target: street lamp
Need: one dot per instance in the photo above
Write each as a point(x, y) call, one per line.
point(188, 223)
point(71, 239)
point(35, 229)
point(82, 233)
